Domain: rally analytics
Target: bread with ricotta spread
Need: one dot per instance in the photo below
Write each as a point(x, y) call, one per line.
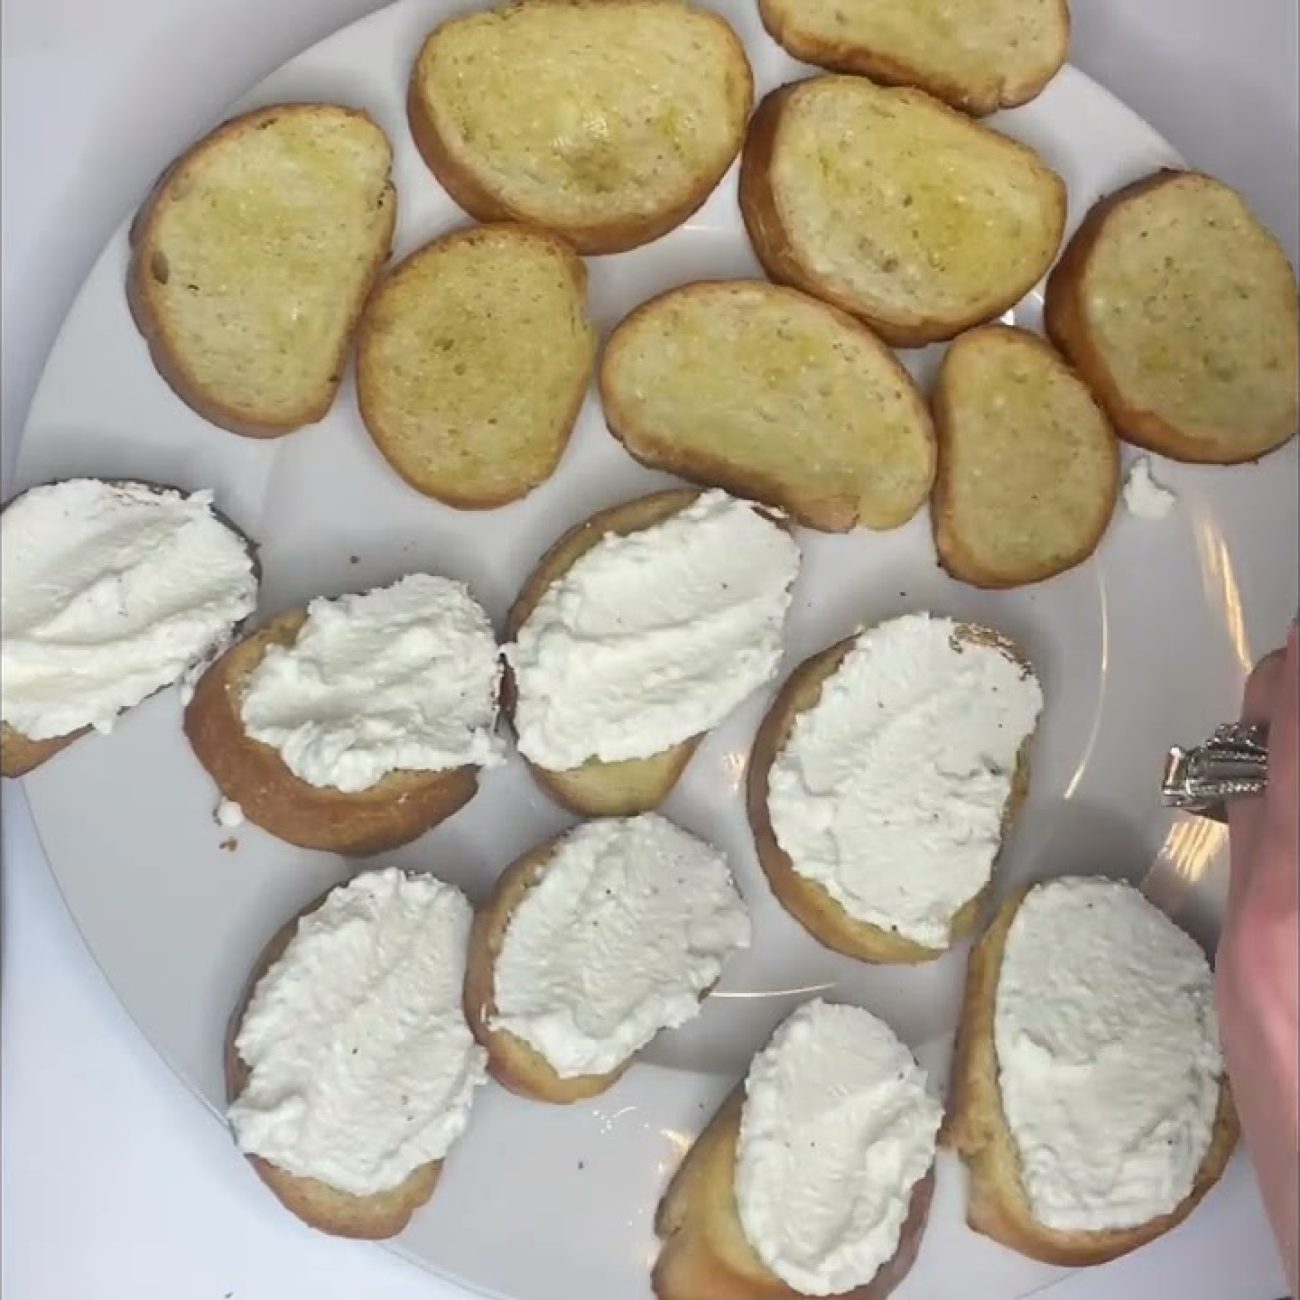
point(1028, 463)
point(977, 1125)
point(977, 55)
point(707, 1250)
point(473, 360)
point(748, 593)
point(608, 123)
point(1179, 309)
point(374, 1215)
point(640, 890)
point(73, 663)
point(251, 260)
point(810, 901)
point(774, 395)
point(399, 805)
point(895, 207)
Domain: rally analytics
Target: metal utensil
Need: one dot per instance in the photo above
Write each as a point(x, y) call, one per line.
point(1232, 764)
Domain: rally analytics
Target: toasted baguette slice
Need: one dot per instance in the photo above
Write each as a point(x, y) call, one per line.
point(706, 1255)
point(512, 1062)
point(1179, 309)
point(326, 1208)
point(976, 1128)
point(599, 789)
point(251, 260)
point(1028, 463)
point(977, 55)
point(398, 809)
point(609, 123)
point(20, 754)
point(809, 901)
point(437, 338)
point(772, 395)
point(896, 207)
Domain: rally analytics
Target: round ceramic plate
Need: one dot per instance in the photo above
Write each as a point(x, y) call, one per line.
point(1144, 645)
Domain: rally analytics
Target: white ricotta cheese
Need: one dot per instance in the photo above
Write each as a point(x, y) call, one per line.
point(1143, 496)
point(1108, 1055)
point(655, 637)
point(838, 1127)
point(629, 923)
point(890, 790)
point(229, 814)
point(399, 678)
point(109, 592)
point(362, 1067)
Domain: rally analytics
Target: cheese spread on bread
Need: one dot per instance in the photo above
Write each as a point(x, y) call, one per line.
point(838, 1127)
point(361, 1065)
point(652, 638)
point(1143, 496)
point(401, 678)
point(891, 789)
point(1108, 1055)
point(627, 926)
point(111, 591)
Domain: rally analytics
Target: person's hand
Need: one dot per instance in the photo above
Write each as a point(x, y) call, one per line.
point(1257, 977)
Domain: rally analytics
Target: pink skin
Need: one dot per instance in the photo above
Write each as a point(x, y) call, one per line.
point(1258, 968)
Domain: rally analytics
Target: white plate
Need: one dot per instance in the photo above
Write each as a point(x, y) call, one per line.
point(1144, 645)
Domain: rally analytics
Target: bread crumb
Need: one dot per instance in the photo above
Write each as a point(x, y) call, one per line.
point(229, 845)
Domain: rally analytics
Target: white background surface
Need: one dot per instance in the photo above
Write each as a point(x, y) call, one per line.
point(116, 1182)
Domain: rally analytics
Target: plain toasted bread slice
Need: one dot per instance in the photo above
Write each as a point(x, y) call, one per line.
point(706, 1255)
point(809, 901)
point(20, 754)
point(1028, 463)
point(252, 258)
point(895, 207)
point(977, 55)
point(399, 808)
point(326, 1208)
point(438, 336)
point(1179, 309)
point(774, 396)
point(599, 789)
point(976, 1128)
point(608, 123)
